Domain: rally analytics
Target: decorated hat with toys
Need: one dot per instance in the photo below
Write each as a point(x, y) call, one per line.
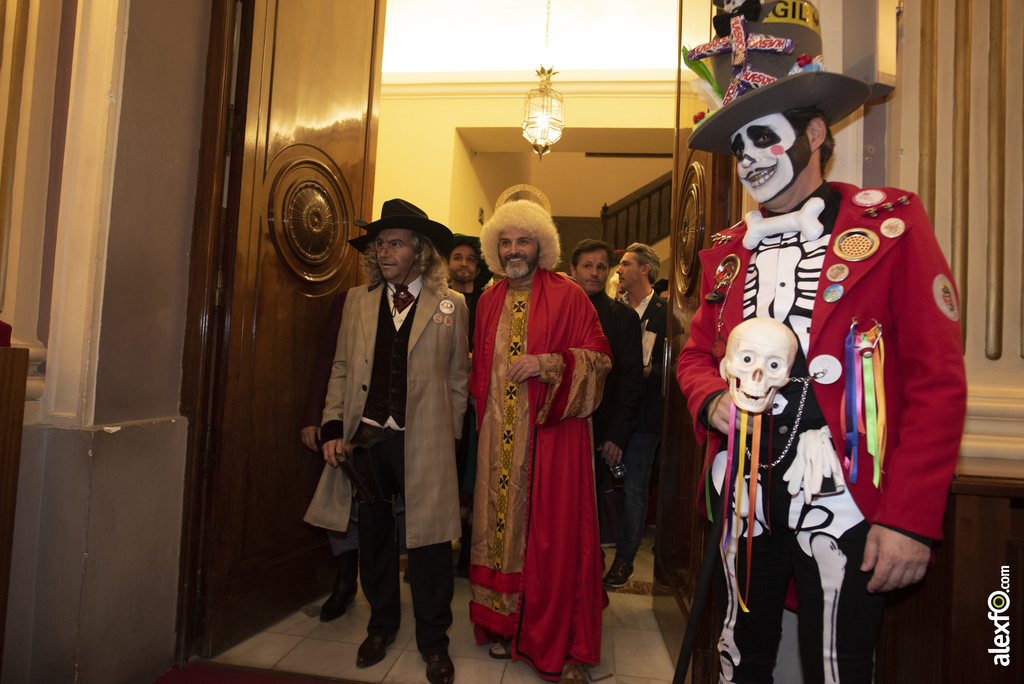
point(768, 61)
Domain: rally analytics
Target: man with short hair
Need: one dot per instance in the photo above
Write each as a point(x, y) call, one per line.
point(615, 418)
point(469, 275)
point(860, 446)
point(398, 388)
point(538, 371)
point(638, 271)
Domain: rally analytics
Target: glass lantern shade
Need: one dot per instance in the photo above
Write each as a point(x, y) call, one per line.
point(544, 115)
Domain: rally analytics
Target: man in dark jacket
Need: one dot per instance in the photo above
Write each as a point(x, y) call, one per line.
point(638, 271)
point(615, 418)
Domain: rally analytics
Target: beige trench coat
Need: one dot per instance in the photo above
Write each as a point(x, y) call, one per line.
point(438, 374)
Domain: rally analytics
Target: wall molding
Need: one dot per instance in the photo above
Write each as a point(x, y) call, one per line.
point(993, 439)
point(515, 84)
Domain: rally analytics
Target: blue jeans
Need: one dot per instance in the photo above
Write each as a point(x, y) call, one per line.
point(638, 457)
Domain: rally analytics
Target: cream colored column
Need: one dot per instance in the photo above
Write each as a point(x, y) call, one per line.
point(969, 162)
point(847, 165)
point(89, 161)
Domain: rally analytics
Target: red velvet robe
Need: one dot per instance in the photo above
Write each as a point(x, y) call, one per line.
point(550, 589)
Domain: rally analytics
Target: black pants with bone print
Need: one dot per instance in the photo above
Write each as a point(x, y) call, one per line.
point(838, 618)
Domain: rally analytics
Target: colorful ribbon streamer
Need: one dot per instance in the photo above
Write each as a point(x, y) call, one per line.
point(864, 399)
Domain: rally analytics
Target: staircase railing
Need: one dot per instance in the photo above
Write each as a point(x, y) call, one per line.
point(644, 215)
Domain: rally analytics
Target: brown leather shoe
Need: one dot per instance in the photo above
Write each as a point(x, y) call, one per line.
point(440, 669)
point(372, 650)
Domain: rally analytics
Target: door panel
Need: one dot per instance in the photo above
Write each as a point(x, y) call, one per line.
point(706, 200)
point(307, 86)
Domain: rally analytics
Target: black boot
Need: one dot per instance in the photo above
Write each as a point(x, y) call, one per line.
point(344, 586)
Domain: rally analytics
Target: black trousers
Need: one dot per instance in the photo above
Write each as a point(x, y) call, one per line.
point(431, 574)
point(833, 603)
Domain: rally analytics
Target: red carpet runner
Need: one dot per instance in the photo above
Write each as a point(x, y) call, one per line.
point(215, 674)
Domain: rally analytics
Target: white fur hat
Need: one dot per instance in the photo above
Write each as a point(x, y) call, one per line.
point(528, 217)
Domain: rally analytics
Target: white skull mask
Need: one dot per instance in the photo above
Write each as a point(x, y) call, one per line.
point(758, 357)
point(769, 156)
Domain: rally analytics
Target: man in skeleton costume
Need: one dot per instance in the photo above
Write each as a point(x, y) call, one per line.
point(858, 449)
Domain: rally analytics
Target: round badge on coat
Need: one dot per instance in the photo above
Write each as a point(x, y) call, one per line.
point(945, 297)
point(837, 273)
point(446, 306)
point(869, 198)
point(438, 318)
point(825, 369)
point(892, 228)
point(833, 293)
point(855, 244)
point(448, 321)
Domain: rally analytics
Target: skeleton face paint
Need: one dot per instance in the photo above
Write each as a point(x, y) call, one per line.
point(770, 156)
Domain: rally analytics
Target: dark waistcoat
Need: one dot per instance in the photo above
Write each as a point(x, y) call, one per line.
point(387, 393)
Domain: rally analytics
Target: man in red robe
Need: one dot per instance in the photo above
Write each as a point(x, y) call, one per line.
point(539, 365)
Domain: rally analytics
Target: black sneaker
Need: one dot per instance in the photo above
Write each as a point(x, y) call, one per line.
point(618, 575)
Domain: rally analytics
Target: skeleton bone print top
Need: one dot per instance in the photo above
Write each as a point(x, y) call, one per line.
point(781, 283)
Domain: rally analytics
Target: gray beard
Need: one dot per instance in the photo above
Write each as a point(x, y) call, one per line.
point(518, 272)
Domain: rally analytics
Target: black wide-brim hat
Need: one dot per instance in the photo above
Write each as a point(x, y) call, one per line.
point(397, 213)
point(836, 95)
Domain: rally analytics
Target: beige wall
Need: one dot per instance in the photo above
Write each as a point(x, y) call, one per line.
point(422, 157)
point(978, 213)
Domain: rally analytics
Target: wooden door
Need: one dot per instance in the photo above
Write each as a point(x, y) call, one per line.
point(13, 374)
point(301, 170)
point(706, 199)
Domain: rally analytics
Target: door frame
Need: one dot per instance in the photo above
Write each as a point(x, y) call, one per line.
point(204, 321)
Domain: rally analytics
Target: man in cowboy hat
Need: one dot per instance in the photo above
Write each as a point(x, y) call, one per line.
point(878, 392)
point(398, 387)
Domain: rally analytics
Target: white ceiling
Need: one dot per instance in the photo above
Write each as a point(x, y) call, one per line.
point(626, 46)
point(509, 35)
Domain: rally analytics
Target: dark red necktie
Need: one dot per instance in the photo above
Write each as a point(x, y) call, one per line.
point(402, 297)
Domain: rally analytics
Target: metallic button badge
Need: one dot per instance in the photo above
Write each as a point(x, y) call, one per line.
point(893, 228)
point(833, 293)
point(869, 198)
point(837, 273)
point(724, 275)
point(855, 244)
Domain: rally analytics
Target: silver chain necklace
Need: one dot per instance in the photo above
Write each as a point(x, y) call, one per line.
point(806, 382)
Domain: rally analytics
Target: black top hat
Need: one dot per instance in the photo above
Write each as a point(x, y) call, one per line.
point(397, 213)
point(836, 95)
point(471, 240)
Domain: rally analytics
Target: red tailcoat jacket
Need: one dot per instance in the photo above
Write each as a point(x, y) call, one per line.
point(905, 286)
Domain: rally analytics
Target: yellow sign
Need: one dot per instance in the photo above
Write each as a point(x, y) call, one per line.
point(795, 12)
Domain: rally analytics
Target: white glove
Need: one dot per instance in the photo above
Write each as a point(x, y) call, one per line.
point(815, 460)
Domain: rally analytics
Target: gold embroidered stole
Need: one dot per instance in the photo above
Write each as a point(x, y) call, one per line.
point(516, 334)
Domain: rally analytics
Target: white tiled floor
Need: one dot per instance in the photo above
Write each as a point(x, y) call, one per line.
point(632, 649)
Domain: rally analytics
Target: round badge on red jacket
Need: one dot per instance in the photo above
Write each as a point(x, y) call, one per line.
point(945, 297)
point(869, 198)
